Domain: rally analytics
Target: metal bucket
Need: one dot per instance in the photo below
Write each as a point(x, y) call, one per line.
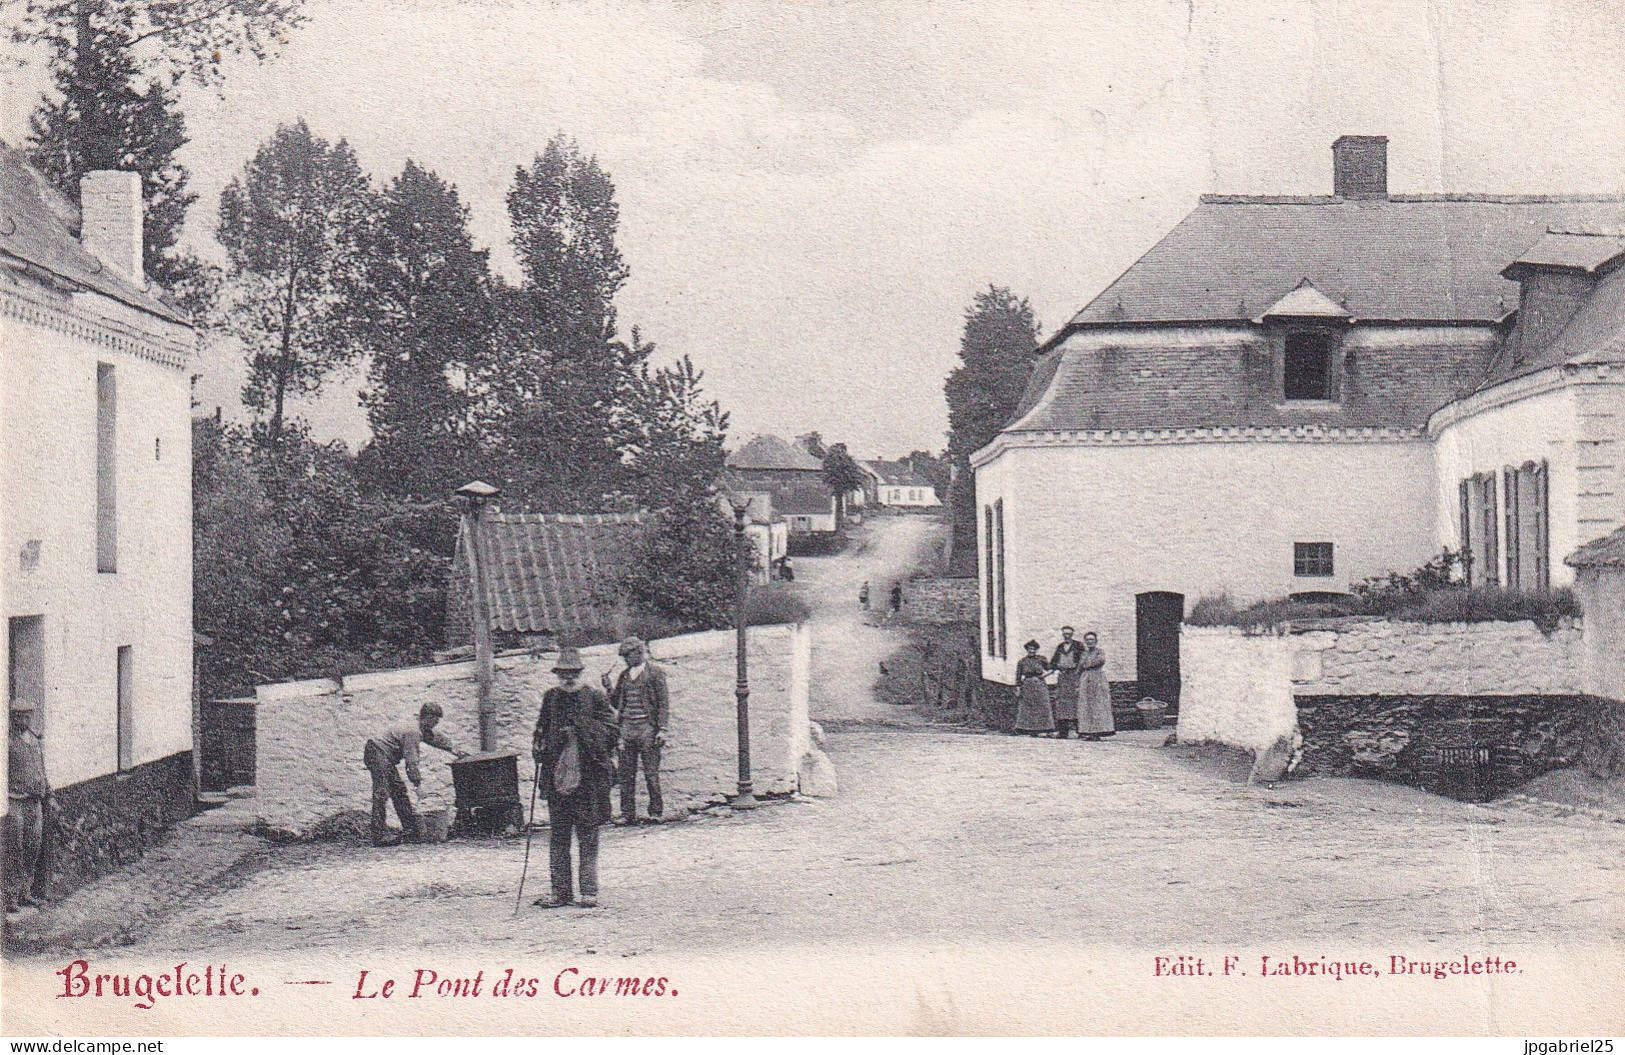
point(436, 825)
point(1151, 713)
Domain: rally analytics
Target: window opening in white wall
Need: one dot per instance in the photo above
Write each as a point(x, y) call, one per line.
point(126, 709)
point(1312, 559)
point(106, 469)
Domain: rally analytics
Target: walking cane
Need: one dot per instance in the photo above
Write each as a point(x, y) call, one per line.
point(529, 827)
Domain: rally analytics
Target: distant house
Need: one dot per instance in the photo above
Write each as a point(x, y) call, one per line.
point(900, 486)
point(95, 452)
point(766, 529)
point(548, 576)
point(1293, 394)
point(770, 463)
point(807, 509)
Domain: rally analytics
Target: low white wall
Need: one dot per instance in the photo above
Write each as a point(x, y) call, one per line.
point(1238, 688)
point(1602, 596)
point(311, 733)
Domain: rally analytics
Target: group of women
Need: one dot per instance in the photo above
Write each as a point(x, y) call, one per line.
point(1082, 700)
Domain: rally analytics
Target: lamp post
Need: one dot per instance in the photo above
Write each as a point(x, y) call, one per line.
point(476, 496)
point(745, 799)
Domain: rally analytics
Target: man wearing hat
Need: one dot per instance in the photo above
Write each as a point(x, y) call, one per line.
point(383, 753)
point(572, 746)
point(28, 793)
point(643, 705)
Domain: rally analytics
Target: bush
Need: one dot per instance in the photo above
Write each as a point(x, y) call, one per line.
point(1451, 604)
point(775, 603)
point(1221, 610)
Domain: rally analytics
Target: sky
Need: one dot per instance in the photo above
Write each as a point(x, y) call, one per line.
point(812, 192)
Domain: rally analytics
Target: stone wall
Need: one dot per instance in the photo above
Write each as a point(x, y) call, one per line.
point(1359, 657)
point(1601, 590)
point(311, 733)
point(1411, 739)
point(100, 824)
point(1378, 698)
point(939, 601)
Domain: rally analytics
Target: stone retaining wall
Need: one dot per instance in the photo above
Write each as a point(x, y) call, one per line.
point(1377, 698)
point(938, 601)
point(100, 824)
point(311, 733)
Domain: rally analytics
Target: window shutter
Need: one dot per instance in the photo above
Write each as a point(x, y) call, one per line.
point(1491, 549)
point(1466, 495)
point(1004, 637)
point(1539, 528)
point(1509, 479)
point(992, 618)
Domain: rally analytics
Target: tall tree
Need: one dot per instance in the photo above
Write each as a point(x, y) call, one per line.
point(419, 304)
point(842, 476)
point(292, 224)
point(114, 64)
point(553, 399)
point(995, 360)
point(996, 355)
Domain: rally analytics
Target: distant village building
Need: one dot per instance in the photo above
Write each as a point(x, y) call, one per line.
point(791, 475)
point(96, 534)
point(767, 531)
point(1290, 394)
point(898, 485)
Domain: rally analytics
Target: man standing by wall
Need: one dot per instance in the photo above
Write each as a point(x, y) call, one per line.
point(641, 699)
point(572, 745)
point(28, 794)
point(383, 753)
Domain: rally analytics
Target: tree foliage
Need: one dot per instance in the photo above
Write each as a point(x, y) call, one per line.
point(995, 360)
point(292, 224)
point(842, 476)
point(178, 38)
point(299, 571)
point(418, 303)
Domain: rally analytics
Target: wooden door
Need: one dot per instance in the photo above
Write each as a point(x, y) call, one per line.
point(1157, 616)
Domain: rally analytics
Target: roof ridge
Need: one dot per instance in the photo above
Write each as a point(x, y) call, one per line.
point(1466, 197)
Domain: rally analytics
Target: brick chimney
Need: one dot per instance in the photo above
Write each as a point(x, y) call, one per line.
point(1360, 167)
point(110, 209)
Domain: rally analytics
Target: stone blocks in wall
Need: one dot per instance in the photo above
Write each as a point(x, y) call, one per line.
point(311, 734)
point(940, 601)
point(1400, 738)
point(100, 824)
point(1378, 657)
point(1604, 754)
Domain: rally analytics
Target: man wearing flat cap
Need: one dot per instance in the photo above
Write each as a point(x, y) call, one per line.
point(643, 704)
point(574, 747)
point(383, 753)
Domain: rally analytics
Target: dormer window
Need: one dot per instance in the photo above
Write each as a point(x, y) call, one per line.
point(1307, 365)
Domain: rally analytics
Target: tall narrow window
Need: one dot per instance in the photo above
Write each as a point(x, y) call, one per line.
point(992, 586)
point(1481, 534)
point(1465, 494)
point(106, 469)
point(1525, 498)
point(1307, 371)
point(126, 710)
point(1004, 637)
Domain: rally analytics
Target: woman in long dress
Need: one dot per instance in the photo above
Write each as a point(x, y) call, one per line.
point(1033, 714)
point(1068, 679)
point(1095, 698)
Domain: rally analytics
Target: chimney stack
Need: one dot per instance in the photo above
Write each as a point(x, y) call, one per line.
point(110, 214)
point(1360, 167)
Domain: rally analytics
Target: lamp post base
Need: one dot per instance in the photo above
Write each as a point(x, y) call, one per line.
point(743, 801)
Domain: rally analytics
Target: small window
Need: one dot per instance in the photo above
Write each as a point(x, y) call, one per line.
point(1307, 373)
point(106, 469)
point(1312, 559)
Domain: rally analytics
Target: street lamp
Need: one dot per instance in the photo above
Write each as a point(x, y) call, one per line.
point(745, 799)
point(477, 497)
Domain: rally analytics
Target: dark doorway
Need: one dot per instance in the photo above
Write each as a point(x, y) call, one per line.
point(1157, 616)
point(228, 757)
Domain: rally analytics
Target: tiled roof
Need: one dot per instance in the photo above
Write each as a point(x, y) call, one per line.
point(1100, 383)
point(1608, 551)
point(38, 227)
point(546, 572)
point(1426, 257)
point(1595, 334)
point(770, 452)
point(804, 500)
point(1570, 250)
point(900, 474)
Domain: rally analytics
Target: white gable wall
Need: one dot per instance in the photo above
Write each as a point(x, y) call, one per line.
point(1089, 526)
point(48, 416)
